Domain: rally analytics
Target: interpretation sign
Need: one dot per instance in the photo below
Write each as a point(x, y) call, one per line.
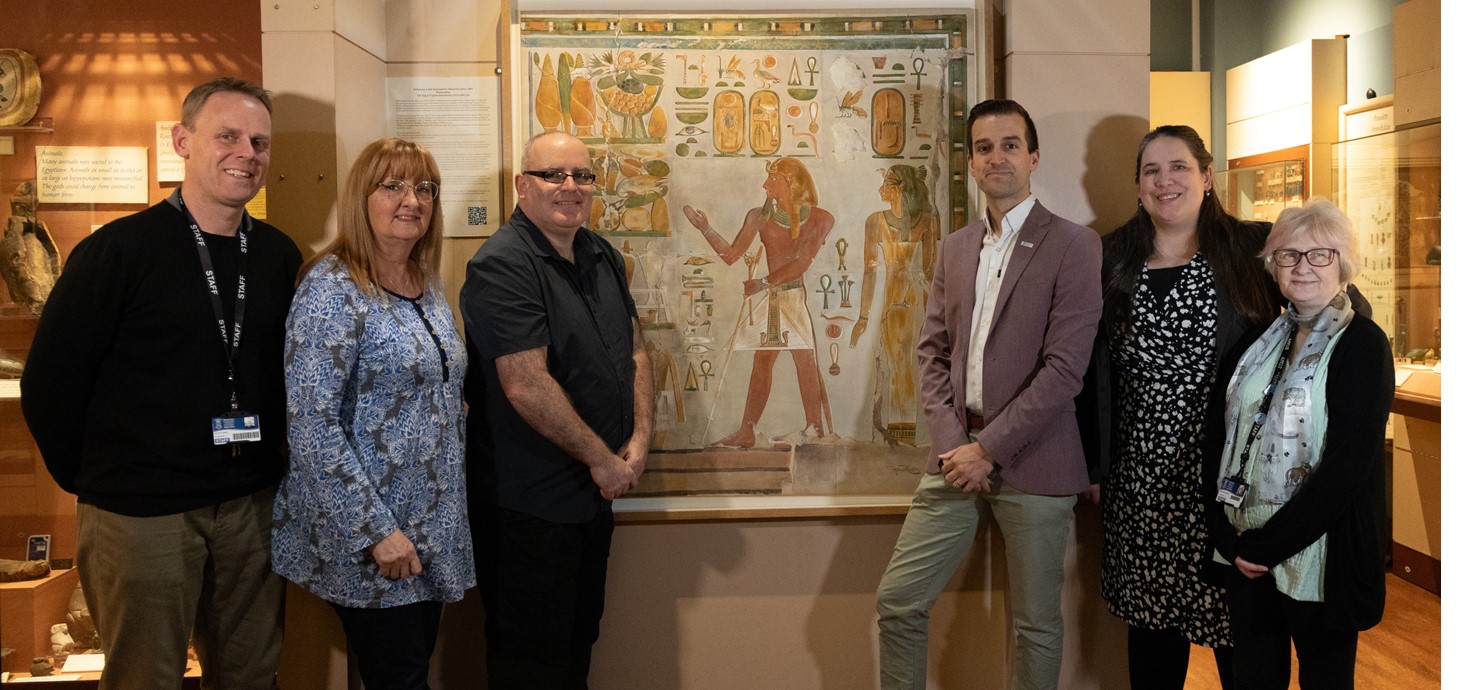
point(91, 174)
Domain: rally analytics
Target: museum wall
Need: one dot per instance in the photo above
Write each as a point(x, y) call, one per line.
point(1238, 31)
point(1171, 35)
point(1082, 68)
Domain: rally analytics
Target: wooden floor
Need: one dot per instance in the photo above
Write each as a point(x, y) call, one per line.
point(1403, 651)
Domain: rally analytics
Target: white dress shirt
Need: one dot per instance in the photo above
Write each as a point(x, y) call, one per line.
point(993, 260)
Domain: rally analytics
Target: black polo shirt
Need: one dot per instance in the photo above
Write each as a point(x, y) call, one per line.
point(520, 294)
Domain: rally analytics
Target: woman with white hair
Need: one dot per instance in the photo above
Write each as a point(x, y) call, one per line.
point(1296, 476)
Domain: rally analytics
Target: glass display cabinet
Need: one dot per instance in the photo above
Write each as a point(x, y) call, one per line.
point(1389, 186)
point(1261, 191)
point(37, 518)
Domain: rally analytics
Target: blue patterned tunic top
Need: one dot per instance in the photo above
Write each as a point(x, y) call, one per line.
point(376, 443)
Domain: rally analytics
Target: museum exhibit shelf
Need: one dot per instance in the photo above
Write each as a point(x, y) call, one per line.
point(192, 678)
point(31, 504)
point(1253, 190)
point(28, 609)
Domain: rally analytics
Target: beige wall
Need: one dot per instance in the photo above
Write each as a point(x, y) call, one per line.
point(1080, 67)
point(790, 604)
point(1182, 98)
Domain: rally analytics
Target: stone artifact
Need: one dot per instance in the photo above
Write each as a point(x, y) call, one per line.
point(29, 262)
point(10, 366)
point(18, 571)
point(79, 623)
point(61, 642)
point(41, 666)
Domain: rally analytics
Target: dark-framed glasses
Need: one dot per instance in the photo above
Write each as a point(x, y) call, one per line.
point(1317, 258)
point(425, 191)
point(582, 177)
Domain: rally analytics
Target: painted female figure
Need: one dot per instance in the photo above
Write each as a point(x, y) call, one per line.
point(910, 222)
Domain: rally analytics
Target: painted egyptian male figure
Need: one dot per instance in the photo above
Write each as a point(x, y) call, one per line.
point(792, 229)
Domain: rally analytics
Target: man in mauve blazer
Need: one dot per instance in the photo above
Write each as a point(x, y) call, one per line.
point(1010, 322)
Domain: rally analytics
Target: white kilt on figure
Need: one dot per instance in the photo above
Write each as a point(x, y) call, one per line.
point(788, 327)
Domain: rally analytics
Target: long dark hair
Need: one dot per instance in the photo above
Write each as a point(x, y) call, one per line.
point(1235, 268)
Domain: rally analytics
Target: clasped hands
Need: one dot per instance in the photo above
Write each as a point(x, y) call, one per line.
point(1251, 570)
point(967, 467)
point(617, 474)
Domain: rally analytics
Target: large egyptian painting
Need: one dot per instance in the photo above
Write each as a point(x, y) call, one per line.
point(779, 187)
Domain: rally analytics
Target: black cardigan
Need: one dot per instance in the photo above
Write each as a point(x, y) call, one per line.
point(128, 367)
point(1343, 497)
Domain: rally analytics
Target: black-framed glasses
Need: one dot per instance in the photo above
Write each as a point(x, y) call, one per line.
point(425, 191)
point(1317, 258)
point(582, 177)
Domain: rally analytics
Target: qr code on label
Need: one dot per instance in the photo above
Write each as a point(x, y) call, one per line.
point(476, 215)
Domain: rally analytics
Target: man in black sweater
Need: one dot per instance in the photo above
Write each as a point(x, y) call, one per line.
point(158, 400)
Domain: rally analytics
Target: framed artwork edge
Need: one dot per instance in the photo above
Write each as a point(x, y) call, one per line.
point(741, 508)
point(517, 127)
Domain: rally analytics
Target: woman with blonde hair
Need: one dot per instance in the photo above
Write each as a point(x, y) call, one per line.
point(1294, 467)
point(372, 515)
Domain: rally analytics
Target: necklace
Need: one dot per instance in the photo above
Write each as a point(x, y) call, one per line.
point(404, 284)
point(902, 224)
point(783, 218)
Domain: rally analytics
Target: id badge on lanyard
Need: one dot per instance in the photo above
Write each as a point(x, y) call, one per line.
point(235, 426)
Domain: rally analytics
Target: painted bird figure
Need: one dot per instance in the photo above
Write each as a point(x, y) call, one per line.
point(764, 75)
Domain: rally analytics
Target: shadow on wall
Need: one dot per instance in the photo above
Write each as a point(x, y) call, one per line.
point(460, 659)
point(1110, 170)
point(314, 654)
point(1095, 649)
point(302, 186)
point(658, 574)
point(841, 627)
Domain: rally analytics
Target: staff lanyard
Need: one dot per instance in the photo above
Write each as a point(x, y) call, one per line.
point(230, 346)
point(1260, 416)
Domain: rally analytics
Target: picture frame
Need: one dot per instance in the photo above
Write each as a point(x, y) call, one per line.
point(689, 121)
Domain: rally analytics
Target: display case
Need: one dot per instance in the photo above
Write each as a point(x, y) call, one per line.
point(1261, 191)
point(33, 509)
point(1389, 186)
point(30, 503)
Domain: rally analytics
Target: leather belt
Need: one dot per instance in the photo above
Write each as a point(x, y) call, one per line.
point(974, 421)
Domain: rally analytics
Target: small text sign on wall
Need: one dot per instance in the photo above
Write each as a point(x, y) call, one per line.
point(169, 164)
point(91, 174)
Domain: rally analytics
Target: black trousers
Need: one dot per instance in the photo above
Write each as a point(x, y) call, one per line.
point(393, 645)
point(542, 592)
point(1265, 622)
point(1158, 659)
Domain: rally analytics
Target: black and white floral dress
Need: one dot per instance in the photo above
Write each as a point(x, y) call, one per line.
point(1155, 536)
